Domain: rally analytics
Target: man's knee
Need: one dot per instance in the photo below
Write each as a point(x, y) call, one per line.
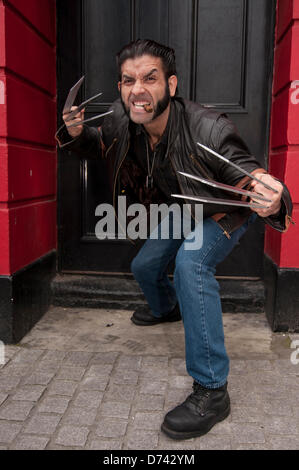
point(183, 265)
point(140, 268)
point(136, 267)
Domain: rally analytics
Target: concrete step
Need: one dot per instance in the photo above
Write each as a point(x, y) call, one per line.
point(119, 292)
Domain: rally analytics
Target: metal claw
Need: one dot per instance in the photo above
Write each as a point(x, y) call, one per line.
point(225, 187)
point(236, 166)
point(225, 202)
point(79, 123)
point(81, 106)
point(72, 96)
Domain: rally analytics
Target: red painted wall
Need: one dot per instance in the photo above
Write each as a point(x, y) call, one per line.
point(27, 127)
point(283, 249)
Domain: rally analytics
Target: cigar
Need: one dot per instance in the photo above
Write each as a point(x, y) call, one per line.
point(148, 108)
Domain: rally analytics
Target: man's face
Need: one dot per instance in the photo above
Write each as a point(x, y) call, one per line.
point(142, 83)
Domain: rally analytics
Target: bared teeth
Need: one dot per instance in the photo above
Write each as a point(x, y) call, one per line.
point(146, 106)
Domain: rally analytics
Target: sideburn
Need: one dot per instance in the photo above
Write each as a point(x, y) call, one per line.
point(163, 103)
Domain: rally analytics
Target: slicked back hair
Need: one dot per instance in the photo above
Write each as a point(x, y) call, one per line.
point(142, 47)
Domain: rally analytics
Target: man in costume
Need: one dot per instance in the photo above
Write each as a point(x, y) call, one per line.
point(149, 137)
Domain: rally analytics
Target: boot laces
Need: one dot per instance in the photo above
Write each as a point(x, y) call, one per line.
point(199, 395)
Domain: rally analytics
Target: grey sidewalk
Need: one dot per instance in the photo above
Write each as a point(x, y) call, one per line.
point(90, 379)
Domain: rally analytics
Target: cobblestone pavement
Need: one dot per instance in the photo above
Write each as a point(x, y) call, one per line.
point(90, 379)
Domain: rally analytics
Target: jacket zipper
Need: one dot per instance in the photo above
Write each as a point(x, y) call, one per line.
point(114, 184)
point(109, 148)
point(181, 187)
point(200, 166)
point(225, 232)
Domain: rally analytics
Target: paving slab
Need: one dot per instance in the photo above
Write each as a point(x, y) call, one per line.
point(91, 379)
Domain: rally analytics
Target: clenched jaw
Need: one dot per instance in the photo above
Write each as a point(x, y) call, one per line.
point(140, 104)
point(143, 105)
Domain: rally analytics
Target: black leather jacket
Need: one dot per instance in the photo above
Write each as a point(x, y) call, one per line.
point(190, 123)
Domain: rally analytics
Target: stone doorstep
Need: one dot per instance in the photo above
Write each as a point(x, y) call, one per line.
point(123, 292)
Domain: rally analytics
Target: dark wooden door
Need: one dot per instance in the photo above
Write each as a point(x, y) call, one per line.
point(224, 60)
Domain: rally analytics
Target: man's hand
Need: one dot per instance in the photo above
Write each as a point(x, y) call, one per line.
point(258, 188)
point(76, 130)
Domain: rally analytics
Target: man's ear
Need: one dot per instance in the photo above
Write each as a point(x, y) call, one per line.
point(118, 85)
point(173, 83)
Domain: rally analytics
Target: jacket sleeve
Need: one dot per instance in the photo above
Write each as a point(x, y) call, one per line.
point(89, 144)
point(282, 220)
point(93, 141)
point(226, 141)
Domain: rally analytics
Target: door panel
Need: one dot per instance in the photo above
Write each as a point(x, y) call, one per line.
point(221, 53)
point(224, 61)
point(106, 27)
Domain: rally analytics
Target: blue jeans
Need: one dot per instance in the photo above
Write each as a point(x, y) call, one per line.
point(197, 292)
